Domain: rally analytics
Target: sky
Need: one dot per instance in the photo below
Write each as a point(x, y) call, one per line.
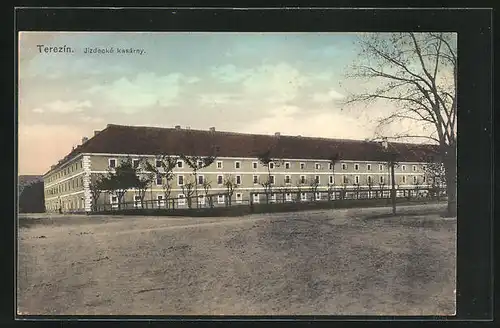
point(292, 83)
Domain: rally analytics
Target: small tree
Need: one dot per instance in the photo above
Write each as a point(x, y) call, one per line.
point(164, 172)
point(207, 185)
point(334, 158)
point(188, 190)
point(230, 185)
point(313, 185)
point(97, 186)
point(356, 187)
point(299, 186)
point(266, 160)
point(197, 163)
point(121, 179)
point(369, 182)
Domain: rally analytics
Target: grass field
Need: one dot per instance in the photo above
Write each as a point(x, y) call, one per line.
point(319, 262)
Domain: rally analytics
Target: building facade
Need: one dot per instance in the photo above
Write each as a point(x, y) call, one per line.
point(298, 162)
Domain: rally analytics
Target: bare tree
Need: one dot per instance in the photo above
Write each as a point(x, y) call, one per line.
point(163, 169)
point(418, 73)
point(197, 163)
point(299, 187)
point(207, 185)
point(313, 185)
point(97, 186)
point(267, 161)
point(231, 186)
point(187, 187)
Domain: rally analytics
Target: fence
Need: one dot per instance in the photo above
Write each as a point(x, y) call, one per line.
point(222, 200)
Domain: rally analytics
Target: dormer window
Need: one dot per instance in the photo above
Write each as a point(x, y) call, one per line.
point(112, 162)
point(180, 164)
point(237, 164)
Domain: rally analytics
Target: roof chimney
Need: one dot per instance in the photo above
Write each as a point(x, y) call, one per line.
point(84, 140)
point(96, 132)
point(384, 143)
point(212, 129)
point(177, 127)
point(277, 134)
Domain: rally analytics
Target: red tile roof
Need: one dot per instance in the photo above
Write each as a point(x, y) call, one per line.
point(120, 139)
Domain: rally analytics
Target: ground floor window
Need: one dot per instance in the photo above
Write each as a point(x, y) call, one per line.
point(272, 199)
point(318, 196)
point(303, 196)
point(181, 200)
point(114, 201)
point(239, 198)
point(161, 200)
point(137, 201)
point(288, 197)
point(201, 199)
point(255, 198)
point(220, 199)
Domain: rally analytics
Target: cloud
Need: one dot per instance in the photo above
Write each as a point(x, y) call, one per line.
point(145, 89)
point(212, 99)
point(64, 107)
point(229, 73)
point(274, 83)
point(193, 79)
point(333, 125)
point(327, 96)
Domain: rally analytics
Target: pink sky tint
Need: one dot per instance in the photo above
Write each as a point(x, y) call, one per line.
point(40, 144)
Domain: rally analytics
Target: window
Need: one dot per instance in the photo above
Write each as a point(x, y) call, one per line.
point(330, 166)
point(201, 200)
point(135, 163)
point(302, 179)
point(303, 196)
point(271, 165)
point(255, 179)
point(161, 200)
point(219, 179)
point(287, 179)
point(180, 164)
point(344, 166)
point(423, 167)
point(302, 166)
point(200, 179)
point(255, 198)
point(356, 167)
point(254, 165)
point(369, 180)
point(238, 179)
point(158, 163)
point(345, 179)
point(356, 179)
point(414, 179)
point(112, 162)
point(199, 164)
point(220, 199)
point(423, 178)
point(239, 198)
point(114, 201)
point(181, 200)
point(287, 165)
point(317, 166)
point(318, 196)
point(288, 197)
point(272, 179)
point(403, 179)
point(368, 167)
point(381, 179)
point(219, 164)
point(137, 201)
point(331, 179)
point(237, 165)
point(403, 167)
point(180, 180)
point(272, 199)
point(316, 178)
point(380, 167)
point(414, 168)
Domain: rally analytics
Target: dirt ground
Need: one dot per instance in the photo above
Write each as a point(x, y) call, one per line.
point(330, 262)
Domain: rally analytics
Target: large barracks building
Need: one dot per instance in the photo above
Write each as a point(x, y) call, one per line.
point(301, 160)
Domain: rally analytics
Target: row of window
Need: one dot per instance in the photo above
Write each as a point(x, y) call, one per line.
point(66, 186)
point(67, 171)
point(272, 166)
point(287, 179)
